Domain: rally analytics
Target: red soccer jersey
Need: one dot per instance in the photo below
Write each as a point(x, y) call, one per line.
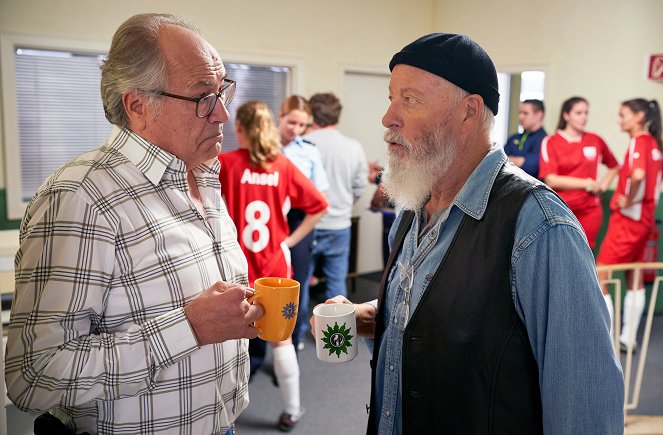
point(258, 200)
point(642, 153)
point(575, 159)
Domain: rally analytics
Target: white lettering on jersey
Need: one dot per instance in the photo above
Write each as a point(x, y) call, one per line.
point(260, 179)
point(257, 215)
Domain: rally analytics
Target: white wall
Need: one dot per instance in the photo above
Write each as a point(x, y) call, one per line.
point(592, 48)
point(322, 35)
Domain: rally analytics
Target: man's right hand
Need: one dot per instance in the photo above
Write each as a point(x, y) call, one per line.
point(222, 313)
point(365, 315)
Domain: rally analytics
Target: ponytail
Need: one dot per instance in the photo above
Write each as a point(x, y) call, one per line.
point(654, 122)
point(652, 113)
point(261, 133)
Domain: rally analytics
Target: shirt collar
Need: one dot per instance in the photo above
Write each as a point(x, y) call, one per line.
point(473, 196)
point(298, 141)
point(151, 160)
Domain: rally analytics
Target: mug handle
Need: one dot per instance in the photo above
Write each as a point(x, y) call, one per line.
point(252, 298)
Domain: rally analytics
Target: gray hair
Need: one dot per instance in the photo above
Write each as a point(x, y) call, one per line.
point(135, 63)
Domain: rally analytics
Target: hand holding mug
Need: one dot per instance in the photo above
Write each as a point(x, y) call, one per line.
point(222, 313)
point(365, 315)
point(279, 298)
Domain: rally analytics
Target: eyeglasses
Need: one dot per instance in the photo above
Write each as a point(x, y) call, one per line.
point(406, 279)
point(205, 105)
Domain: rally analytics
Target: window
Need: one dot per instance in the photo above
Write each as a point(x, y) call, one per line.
point(53, 110)
point(269, 84)
point(60, 114)
point(515, 87)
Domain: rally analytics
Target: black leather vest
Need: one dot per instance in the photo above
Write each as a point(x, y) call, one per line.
point(468, 367)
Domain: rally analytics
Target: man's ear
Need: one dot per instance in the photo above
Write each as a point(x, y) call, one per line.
point(473, 111)
point(135, 106)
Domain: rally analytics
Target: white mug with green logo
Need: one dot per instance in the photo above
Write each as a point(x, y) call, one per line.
point(335, 332)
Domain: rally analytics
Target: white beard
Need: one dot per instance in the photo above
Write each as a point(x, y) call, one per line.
point(409, 180)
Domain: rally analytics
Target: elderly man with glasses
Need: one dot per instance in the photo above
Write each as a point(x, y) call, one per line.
point(130, 314)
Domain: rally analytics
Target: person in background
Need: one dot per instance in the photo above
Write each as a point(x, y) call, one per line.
point(294, 118)
point(570, 161)
point(633, 205)
point(345, 164)
point(130, 314)
point(380, 203)
point(490, 316)
point(256, 182)
point(522, 149)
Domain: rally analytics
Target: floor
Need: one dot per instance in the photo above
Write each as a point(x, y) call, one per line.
point(335, 396)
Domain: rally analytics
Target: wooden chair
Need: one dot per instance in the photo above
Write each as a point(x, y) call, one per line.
point(606, 278)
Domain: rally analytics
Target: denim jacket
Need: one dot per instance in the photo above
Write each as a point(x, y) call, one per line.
point(555, 292)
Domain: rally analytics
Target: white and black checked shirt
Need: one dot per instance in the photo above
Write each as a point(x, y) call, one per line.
point(111, 249)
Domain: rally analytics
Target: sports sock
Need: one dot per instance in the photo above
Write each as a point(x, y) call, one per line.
point(611, 311)
point(286, 369)
point(634, 306)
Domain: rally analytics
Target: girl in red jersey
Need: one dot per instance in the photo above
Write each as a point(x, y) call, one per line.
point(633, 205)
point(260, 185)
point(569, 164)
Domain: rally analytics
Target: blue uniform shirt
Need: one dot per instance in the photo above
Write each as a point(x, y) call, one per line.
point(528, 145)
point(306, 157)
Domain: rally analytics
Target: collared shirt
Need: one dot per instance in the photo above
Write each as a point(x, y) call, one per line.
point(111, 249)
point(306, 157)
point(555, 293)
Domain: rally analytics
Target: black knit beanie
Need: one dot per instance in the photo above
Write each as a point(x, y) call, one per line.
point(457, 59)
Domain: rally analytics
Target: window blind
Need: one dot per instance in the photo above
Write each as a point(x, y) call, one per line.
point(254, 83)
point(60, 114)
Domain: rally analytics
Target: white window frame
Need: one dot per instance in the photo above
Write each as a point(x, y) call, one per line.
point(12, 162)
point(8, 44)
point(505, 108)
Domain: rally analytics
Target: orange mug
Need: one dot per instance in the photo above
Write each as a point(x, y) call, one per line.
point(279, 299)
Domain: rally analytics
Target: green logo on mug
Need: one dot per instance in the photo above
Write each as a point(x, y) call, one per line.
point(337, 339)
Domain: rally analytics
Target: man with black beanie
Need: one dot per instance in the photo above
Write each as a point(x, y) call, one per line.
point(490, 318)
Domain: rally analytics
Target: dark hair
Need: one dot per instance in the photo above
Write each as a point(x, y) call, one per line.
point(326, 109)
point(567, 106)
point(652, 116)
point(536, 104)
point(294, 102)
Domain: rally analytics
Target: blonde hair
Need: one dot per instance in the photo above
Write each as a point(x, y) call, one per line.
point(261, 133)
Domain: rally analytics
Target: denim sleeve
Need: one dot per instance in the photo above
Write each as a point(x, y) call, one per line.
point(557, 295)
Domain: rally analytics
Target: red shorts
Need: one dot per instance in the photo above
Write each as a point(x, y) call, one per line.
point(591, 219)
point(624, 242)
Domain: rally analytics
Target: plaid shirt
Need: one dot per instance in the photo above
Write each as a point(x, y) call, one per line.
point(111, 249)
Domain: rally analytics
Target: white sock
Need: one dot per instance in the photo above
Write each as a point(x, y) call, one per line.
point(611, 311)
point(634, 306)
point(286, 369)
